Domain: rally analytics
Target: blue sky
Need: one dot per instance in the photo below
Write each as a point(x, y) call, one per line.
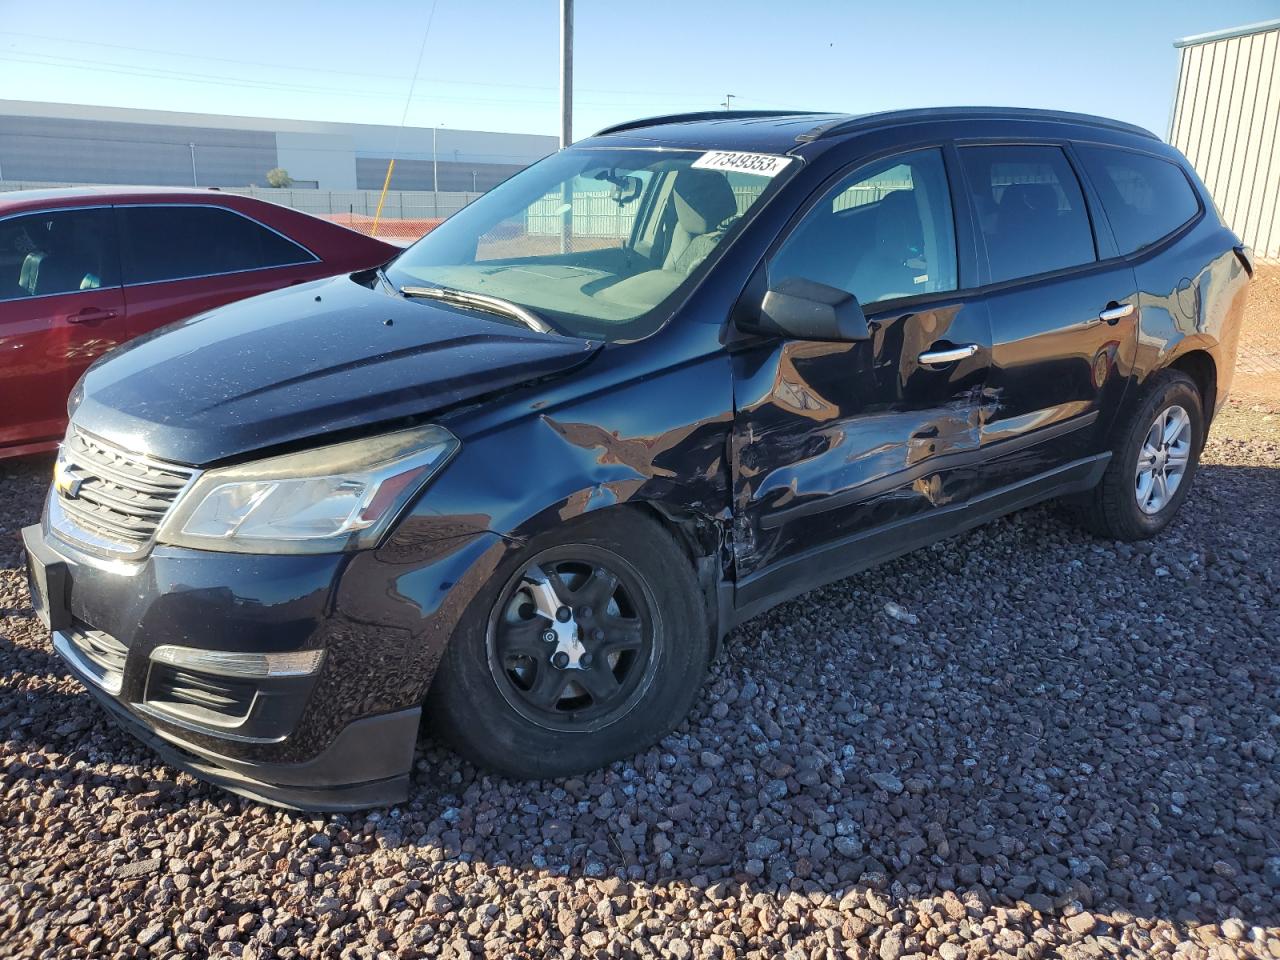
point(492, 64)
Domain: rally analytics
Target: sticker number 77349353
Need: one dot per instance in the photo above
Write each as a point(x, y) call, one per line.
point(761, 164)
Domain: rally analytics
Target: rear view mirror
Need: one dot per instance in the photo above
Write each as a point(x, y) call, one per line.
point(808, 310)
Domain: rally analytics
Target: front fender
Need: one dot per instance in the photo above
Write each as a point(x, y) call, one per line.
point(662, 440)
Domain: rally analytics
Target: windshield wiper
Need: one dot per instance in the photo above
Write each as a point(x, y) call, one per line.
point(480, 301)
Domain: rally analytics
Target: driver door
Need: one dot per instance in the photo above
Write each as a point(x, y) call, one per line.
point(844, 450)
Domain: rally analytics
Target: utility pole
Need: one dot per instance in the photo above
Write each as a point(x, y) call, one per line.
point(566, 73)
point(566, 118)
point(435, 165)
point(194, 183)
point(728, 101)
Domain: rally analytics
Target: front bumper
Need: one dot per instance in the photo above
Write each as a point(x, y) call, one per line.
point(341, 737)
point(349, 774)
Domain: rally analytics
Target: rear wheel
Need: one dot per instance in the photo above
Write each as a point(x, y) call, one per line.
point(1152, 465)
point(586, 647)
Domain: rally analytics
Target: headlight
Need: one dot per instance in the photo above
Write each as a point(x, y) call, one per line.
point(340, 497)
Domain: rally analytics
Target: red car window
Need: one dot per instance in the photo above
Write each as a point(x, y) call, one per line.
point(178, 242)
point(59, 251)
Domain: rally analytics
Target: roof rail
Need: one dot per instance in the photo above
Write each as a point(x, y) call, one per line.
point(700, 115)
point(868, 120)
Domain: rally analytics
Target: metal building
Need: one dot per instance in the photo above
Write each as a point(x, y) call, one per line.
point(1226, 119)
point(55, 142)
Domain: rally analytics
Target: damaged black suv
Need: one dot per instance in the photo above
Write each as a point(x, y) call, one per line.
point(525, 477)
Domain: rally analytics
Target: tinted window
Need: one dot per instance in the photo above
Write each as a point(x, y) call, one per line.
point(885, 231)
point(1030, 208)
point(57, 252)
point(1145, 198)
point(172, 243)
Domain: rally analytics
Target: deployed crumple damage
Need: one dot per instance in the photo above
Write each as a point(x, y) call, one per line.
point(860, 425)
point(873, 456)
point(860, 449)
point(532, 473)
point(640, 460)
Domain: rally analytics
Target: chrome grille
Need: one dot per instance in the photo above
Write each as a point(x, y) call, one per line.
point(114, 497)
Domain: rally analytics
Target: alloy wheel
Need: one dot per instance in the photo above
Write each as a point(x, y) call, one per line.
point(1163, 459)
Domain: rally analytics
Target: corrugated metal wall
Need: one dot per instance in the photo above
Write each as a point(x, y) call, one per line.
point(52, 148)
point(1227, 121)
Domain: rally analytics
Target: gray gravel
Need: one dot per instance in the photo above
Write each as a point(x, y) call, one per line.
point(1023, 742)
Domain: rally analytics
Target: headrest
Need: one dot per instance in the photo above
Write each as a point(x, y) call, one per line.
point(897, 223)
point(1038, 197)
point(704, 200)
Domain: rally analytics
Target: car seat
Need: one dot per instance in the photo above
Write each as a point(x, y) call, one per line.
point(885, 272)
point(703, 202)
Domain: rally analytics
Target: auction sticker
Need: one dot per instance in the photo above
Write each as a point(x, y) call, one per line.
point(761, 164)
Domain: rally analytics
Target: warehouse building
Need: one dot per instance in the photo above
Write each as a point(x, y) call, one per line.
point(54, 142)
point(1226, 119)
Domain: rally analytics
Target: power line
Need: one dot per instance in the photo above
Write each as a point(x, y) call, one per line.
point(110, 66)
point(391, 164)
point(197, 56)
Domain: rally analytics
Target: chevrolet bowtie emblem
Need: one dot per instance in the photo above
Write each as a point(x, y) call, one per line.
point(66, 481)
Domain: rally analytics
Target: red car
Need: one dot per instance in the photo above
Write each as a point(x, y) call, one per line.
point(84, 269)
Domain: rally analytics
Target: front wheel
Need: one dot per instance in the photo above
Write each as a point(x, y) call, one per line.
point(1152, 465)
point(588, 646)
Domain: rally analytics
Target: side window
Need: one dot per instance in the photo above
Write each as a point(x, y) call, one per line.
point(1031, 210)
point(177, 242)
point(1144, 197)
point(884, 231)
point(62, 251)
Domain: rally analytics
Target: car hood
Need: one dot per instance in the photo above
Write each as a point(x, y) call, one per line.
point(304, 362)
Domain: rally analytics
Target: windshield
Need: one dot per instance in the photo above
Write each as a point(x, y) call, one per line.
point(602, 243)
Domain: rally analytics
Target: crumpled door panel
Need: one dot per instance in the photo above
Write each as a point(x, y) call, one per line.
point(833, 438)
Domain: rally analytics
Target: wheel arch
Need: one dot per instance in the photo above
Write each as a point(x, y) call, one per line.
point(1201, 367)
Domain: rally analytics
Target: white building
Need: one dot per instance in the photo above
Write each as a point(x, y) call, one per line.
point(56, 142)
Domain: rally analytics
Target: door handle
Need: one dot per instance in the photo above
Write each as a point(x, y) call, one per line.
point(1114, 314)
point(949, 354)
point(91, 315)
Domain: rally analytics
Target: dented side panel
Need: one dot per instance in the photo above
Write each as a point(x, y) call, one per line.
point(833, 438)
point(659, 439)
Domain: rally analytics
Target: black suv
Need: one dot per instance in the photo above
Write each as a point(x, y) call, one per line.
point(526, 476)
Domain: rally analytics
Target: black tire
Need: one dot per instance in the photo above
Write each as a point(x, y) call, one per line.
point(478, 703)
point(1112, 509)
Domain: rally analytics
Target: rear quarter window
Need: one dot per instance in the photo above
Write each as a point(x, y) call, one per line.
point(1145, 198)
point(182, 242)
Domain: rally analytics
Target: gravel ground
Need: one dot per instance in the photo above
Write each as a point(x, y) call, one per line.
point(1258, 361)
point(1023, 742)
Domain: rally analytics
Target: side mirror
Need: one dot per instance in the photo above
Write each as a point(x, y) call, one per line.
point(808, 310)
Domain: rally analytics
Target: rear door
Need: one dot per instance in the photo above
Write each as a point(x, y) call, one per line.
point(61, 307)
point(1149, 201)
point(834, 440)
point(183, 259)
point(1064, 311)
